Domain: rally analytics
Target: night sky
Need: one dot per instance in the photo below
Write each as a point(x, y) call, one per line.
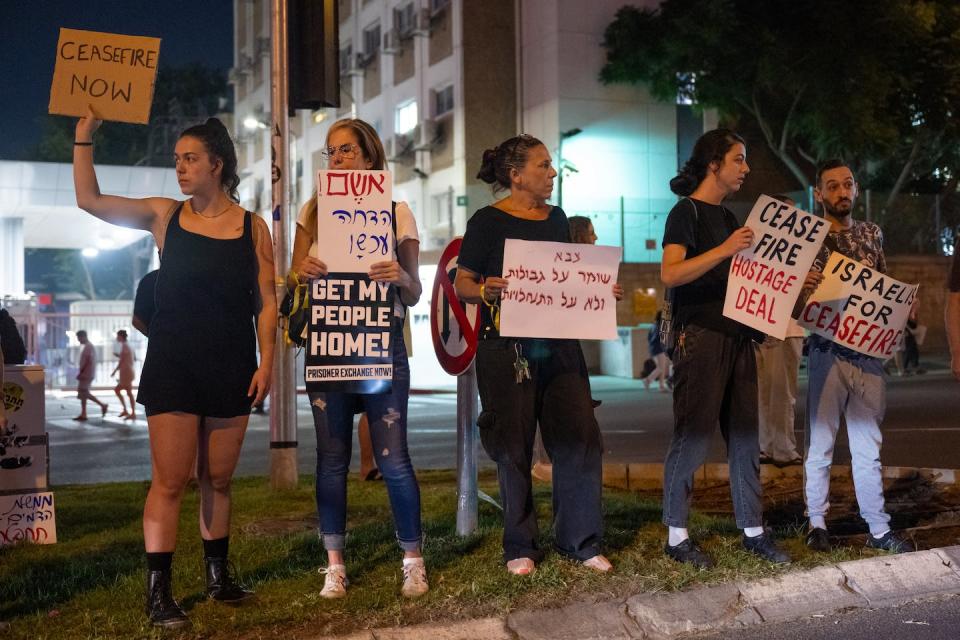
point(191, 31)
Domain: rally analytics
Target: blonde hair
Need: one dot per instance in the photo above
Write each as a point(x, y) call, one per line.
point(372, 148)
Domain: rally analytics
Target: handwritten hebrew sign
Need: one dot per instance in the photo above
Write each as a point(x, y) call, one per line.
point(766, 278)
point(349, 348)
point(859, 308)
point(559, 290)
point(27, 517)
point(354, 219)
point(113, 73)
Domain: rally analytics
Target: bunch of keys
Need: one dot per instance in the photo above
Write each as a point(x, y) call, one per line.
point(521, 367)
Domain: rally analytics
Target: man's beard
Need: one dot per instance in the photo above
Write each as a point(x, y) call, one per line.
point(838, 213)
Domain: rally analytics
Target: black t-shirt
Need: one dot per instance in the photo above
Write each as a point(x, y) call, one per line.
point(482, 248)
point(701, 302)
point(954, 283)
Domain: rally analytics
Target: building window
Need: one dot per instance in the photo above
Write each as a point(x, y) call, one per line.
point(346, 53)
point(438, 5)
point(406, 117)
point(371, 40)
point(403, 20)
point(443, 101)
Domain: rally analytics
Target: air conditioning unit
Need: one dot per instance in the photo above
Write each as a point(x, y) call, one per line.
point(404, 144)
point(391, 42)
point(354, 65)
point(421, 22)
point(262, 48)
point(364, 59)
point(236, 75)
point(245, 63)
point(428, 134)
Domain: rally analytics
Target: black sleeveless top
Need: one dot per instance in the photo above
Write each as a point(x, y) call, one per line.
point(201, 354)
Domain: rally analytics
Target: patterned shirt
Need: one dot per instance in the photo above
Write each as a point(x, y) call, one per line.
point(862, 242)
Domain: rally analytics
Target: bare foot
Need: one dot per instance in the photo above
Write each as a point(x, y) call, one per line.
point(521, 566)
point(598, 563)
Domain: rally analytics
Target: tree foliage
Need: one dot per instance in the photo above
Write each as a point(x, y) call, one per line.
point(182, 96)
point(872, 81)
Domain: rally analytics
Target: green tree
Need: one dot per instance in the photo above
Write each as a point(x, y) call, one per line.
point(873, 81)
point(183, 96)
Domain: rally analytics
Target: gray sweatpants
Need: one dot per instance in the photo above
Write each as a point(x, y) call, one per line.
point(841, 387)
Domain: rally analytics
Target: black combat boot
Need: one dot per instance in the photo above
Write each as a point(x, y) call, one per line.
point(161, 608)
point(221, 585)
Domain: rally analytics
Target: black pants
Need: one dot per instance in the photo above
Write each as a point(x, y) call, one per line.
point(558, 397)
point(715, 378)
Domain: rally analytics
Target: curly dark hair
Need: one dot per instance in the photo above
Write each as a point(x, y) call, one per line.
point(710, 147)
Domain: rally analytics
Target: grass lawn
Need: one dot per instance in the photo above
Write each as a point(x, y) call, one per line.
point(90, 584)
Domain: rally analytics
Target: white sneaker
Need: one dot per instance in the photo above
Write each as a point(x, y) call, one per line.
point(414, 578)
point(334, 581)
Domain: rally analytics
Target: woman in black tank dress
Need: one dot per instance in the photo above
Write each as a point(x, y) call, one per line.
point(215, 301)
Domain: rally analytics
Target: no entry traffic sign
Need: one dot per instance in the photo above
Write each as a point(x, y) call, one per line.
point(453, 326)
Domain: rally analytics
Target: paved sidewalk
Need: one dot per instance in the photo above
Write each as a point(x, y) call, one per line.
point(870, 583)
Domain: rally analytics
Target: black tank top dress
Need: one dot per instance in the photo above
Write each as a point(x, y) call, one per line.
point(201, 353)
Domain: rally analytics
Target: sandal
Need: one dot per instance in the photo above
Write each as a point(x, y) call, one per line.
point(521, 566)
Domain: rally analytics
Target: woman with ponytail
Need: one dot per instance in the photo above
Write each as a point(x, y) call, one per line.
point(215, 302)
point(715, 372)
point(526, 381)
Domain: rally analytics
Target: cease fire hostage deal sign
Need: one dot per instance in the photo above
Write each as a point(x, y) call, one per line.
point(112, 73)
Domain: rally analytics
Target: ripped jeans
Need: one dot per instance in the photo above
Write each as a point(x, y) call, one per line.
point(387, 413)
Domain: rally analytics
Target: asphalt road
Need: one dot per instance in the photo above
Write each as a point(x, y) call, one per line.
point(921, 429)
point(937, 619)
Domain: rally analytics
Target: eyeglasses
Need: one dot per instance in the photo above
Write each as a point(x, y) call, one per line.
point(348, 151)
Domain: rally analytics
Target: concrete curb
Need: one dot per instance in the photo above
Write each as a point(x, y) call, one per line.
point(649, 475)
point(872, 582)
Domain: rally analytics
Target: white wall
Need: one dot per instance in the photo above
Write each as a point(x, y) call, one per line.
point(628, 144)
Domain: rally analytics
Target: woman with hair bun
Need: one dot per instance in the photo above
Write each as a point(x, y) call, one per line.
point(215, 302)
point(526, 381)
point(715, 371)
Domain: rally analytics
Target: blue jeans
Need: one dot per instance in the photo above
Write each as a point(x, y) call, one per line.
point(387, 413)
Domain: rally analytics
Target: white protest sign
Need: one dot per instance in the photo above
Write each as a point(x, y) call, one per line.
point(559, 290)
point(859, 308)
point(765, 279)
point(354, 219)
point(27, 517)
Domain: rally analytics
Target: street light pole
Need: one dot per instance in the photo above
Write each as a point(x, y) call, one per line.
point(283, 394)
point(563, 136)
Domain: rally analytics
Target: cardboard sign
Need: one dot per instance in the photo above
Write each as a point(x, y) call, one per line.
point(859, 308)
point(765, 279)
point(349, 340)
point(559, 290)
point(27, 517)
point(113, 73)
point(354, 219)
point(23, 397)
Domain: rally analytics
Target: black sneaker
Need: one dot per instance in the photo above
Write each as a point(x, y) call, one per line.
point(818, 540)
point(763, 546)
point(890, 542)
point(689, 553)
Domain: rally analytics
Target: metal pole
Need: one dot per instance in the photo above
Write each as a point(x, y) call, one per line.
point(283, 394)
point(560, 172)
point(467, 408)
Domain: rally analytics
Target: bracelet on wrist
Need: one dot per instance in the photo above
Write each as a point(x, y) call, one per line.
point(77, 143)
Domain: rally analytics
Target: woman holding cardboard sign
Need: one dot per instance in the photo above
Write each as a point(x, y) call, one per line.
point(527, 381)
point(200, 376)
point(715, 370)
point(353, 144)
